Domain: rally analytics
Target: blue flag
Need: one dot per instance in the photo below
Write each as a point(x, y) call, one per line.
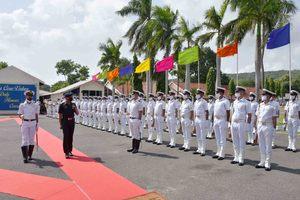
point(126, 70)
point(279, 37)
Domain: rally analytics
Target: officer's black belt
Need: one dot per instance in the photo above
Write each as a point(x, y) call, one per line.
point(29, 120)
point(133, 118)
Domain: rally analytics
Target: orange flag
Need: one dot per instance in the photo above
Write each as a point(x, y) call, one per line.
point(228, 50)
point(111, 75)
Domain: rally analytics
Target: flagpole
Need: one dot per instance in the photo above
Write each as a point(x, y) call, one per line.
point(237, 68)
point(290, 67)
point(166, 81)
point(198, 74)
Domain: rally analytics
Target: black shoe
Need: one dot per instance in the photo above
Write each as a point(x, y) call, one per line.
point(241, 164)
point(215, 157)
point(248, 143)
point(233, 162)
point(220, 158)
point(268, 169)
point(135, 151)
point(30, 151)
point(149, 141)
point(70, 154)
point(259, 166)
point(202, 154)
point(196, 153)
point(181, 148)
point(154, 142)
point(186, 150)
point(25, 153)
point(253, 144)
point(274, 147)
point(288, 149)
point(133, 145)
point(158, 143)
point(172, 147)
point(67, 156)
point(168, 145)
point(136, 146)
point(295, 150)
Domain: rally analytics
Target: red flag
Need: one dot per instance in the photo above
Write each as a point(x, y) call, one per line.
point(228, 50)
point(165, 64)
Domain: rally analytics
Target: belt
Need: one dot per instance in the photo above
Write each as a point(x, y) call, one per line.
point(133, 118)
point(29, 120)
point(265, 123)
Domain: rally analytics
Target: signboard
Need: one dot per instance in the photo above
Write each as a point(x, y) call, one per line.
point(11, 95)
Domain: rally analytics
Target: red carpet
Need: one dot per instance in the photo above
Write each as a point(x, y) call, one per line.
point(37, 187)
point(94, 180)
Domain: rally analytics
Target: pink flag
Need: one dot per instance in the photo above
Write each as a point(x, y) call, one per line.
point(95, 77)
point(165, 64)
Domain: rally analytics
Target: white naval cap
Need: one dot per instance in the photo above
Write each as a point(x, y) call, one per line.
point(294, 92)
point(266, 91)
point(29, 92)
point(221, 89)
point(186, 92)
point(252, 94)
point(240, 88)
point(160, 94)
point(200, 91)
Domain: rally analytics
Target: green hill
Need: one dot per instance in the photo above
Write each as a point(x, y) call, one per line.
point(273, 74)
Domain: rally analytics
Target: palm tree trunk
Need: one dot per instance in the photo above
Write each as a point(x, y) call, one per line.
point(187, 83)
point(218, 71)
point(258, 60)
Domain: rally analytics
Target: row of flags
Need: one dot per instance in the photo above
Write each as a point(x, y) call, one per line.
point(277, 38)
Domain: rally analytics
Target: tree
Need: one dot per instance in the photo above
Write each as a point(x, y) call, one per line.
point(272, 84)
point(278, 88)
point(137, 82)
point(73, 72)
point(111, 55)
point(259, 17)
point(59, 85)
point(3, 65)
point(210, 81)
point(213, 23)
point(267, 83)
point(186, 35)
point(141, 31)
point(231, 87)
point(164, 23)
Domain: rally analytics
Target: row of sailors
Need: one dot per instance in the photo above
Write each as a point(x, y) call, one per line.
point(248, 117)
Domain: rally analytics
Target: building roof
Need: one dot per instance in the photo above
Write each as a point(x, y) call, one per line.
point(44, 93)
point(22, 71)
point(71, 87)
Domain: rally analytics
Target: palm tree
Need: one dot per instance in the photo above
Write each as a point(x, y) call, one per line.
point(140, 31)
point(259, 17)
point(185, 35)
point(214, 25)
point(164, 23)
point(111, 55)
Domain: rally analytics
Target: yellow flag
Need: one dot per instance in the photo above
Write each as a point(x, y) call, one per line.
point(143, 67)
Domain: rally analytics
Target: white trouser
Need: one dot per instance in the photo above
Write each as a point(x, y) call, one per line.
point(90, 114)
point(103, 120)
point(210, 128)
point(84, 116)
point(116, 122)
point(238, 132)
point(134, 127)
point(171, 121)
point(201, 126)
point(177, 125)
point(110, 121)
point(220, 128)
point(94, 118)
point(159, 123)
point(99, 120)
point(28, 130)
point(142, 125)
point(186, 131)
point(265, 135)
point(274, 135)
point(251, 131)
point(293, 125)
point(123, 123)
point(150, 127)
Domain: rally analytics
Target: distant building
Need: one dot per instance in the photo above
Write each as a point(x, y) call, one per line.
point(13, 83)
point(80, 89)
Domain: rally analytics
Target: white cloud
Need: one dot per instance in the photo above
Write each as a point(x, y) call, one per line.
point(35, 37)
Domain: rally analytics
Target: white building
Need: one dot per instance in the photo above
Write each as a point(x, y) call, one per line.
point(13, 83)
point(82, 88)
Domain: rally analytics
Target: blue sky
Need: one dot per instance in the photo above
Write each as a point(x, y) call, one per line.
point(35, 34)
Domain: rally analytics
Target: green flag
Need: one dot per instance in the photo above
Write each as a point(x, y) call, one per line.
point(102, 75)
point(189, 56)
